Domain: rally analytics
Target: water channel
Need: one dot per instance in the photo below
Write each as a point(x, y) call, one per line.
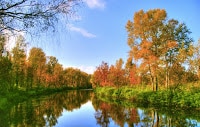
point(84, 109)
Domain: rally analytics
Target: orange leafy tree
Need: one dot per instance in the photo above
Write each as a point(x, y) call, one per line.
point(113, 75)
point(131, 72)
point(100, 76)
point(156, 42)
point(117, 76)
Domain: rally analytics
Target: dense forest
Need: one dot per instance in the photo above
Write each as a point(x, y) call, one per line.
point(35, 70)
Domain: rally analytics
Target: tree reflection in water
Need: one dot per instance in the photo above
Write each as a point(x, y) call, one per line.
point(45, 111)
point(106, 112)
point(130, 116)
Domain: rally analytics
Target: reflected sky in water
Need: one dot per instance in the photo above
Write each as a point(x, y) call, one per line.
point(83, 117)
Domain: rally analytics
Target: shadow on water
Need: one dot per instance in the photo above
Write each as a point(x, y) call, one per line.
point(46, 111)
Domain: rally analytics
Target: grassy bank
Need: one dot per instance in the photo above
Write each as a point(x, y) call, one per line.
point(183, 97)
point(20, 95)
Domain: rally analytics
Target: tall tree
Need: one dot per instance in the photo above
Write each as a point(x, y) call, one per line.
point(50, 68)
point(2, 44)
point(57, 73)
point(177, 46)
point(154, 40)
point(51, 62)
point(195, 60)
point(5, 74)
point(37, 61)
point(5, 67)
point(19, 61)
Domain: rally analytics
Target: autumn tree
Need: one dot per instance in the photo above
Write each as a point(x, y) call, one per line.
point(117, 76)
point(76, 78)
point(131, 72)
point(50, 68)
point(20, 15)
point(58, 75)
point(156, 41)
point(195, 59)
point(37, 61)
point(19, 61)
point(100, 76)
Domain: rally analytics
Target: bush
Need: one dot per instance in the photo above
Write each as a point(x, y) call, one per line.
point(173, 97)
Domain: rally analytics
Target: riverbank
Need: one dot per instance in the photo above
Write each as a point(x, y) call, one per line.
point(20, 95)
point(179, 97)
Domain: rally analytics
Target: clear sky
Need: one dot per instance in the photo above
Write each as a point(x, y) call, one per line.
point(98, 31)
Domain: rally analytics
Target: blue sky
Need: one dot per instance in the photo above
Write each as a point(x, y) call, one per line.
point(97, 33)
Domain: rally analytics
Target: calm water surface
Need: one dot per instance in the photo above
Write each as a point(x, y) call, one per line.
point(83, 109)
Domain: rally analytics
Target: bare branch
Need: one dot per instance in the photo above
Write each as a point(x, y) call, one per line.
point(27, 14)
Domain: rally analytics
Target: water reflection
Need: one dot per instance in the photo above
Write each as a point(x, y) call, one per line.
point(82, 108)
point(44, 111)
point(130, 116)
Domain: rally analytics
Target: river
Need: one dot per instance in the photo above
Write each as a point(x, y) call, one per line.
point(84, 109)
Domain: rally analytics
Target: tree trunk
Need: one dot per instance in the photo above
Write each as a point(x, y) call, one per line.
point(156, 83)
point(152, 79)
point(167, 76)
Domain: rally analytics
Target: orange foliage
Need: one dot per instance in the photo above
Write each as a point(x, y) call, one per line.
point(172, 44)
point(100, 76)
point(133, 77)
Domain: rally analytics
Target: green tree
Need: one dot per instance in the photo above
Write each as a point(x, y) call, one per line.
point(2, 44)
point(19, 61)
point(177, 46)
point(5, 68)
point(5, 74)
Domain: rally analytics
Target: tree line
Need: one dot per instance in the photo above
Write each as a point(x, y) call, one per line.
point(162, 54)
point(36, 70)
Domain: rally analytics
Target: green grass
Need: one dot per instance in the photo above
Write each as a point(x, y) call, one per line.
point(20, 95)
point(183, 96)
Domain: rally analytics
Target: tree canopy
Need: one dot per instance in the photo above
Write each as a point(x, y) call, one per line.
point(157, 42)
